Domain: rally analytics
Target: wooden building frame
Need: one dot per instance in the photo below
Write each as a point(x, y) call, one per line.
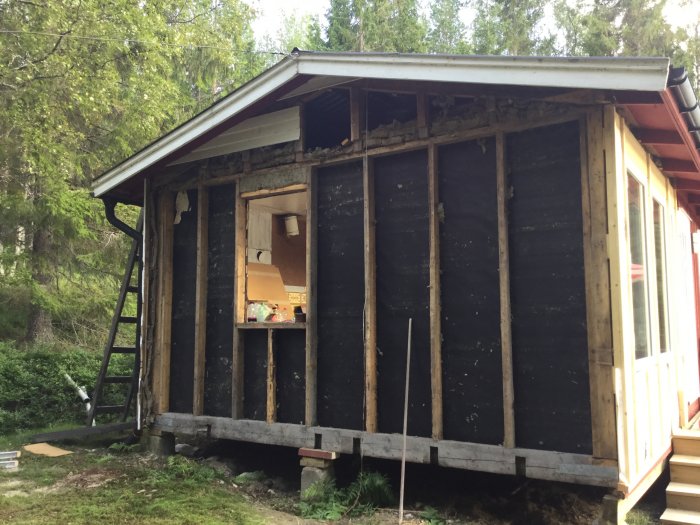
point(584, 116)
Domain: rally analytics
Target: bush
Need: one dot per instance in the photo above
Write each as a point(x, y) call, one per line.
point(34, 393)
point(322, 501)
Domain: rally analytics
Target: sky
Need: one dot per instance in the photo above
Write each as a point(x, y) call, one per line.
point(273, 12)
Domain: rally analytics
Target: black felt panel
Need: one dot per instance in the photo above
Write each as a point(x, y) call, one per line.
point(220, 274)
point(340, 296)
point(255, 374)
point(470, 299)
point(182, 330)
point(402, 247)
point(290, 356)
point(550, 347)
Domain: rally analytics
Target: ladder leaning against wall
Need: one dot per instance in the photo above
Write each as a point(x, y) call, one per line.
point(129, 327)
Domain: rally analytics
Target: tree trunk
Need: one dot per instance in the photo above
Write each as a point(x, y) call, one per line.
point(39, 327)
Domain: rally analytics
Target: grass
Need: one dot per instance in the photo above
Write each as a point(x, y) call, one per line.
point(117, 487)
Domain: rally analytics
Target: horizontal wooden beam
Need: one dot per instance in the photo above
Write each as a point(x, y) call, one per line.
point(686, 184)
point(638, 98)
point(658, 136)
point(679, 165)
point(539, 464)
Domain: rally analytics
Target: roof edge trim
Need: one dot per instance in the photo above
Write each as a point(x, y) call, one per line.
point(237, 101)
point(633, 73)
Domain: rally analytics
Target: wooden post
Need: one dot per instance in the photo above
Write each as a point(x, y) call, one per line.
point(504, 282)
point(161, 374)
point(422, 115)
point(239, 305)
point(200, 308)
point(311, 335)
point(271, 378)
point(357, 117)
point(616, 189)
point(146, 346)
point(596, 268)
point(435, 327)
point(370, 298)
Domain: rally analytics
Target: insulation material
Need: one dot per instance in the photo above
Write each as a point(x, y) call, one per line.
point(550, 346)
point(255, 374)
point(470, 301)
point(403, 280)
point(182, 331)
point(220, 276)
point(340, 296)
point(290, 352)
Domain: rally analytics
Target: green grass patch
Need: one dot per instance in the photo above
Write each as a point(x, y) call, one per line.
point(119, 487)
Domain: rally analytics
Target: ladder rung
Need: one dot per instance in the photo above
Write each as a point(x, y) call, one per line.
point(123, 350)
point(117, 379)
point(125, 319)
point(109, 409)
point(132, 289)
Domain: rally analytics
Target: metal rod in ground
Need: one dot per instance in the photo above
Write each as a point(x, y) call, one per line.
point(405, 422)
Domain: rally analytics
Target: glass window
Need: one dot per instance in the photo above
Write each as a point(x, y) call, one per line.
point(660, 258)
point(636, 218)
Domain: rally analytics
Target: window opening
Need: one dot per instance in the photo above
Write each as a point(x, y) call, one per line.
point(636, 218)
point(661, 290)
point(276, 259)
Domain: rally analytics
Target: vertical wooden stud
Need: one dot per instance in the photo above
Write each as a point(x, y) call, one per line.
point(310, 406)
point(596, 268)
point(504, 283)
point(370, 327)
point(271, 416)
point(145, 345)
point(357, 117)
point(239, 305)
point(422, 115)
point(616, 198)
point(166, 216)
point(435, 328)
point(200, 308)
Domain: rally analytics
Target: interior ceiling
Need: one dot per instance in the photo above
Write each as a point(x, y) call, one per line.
point(289, 204)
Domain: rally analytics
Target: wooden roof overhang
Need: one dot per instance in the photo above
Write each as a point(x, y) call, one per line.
point(640, 82)
point(667, 123)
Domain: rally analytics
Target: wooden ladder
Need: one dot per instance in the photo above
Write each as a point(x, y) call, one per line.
point(131, 284)
point(683, 492)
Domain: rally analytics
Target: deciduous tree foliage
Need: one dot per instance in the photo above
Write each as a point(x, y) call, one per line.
point(83, 84)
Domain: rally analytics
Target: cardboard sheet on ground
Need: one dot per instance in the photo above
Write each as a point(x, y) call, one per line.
point(44, 449)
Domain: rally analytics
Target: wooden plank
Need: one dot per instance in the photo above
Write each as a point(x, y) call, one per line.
point(200, 314)
point(311, 358)
point(318, 454)
point(615, 177)
point(148, 257)
point(422, 115)
point(239, 306)
point(370, 299)
point(268, 192)
point(271, 414)
point(165, 291)
point(357, 116)
point(540, 464)
point(504, 287)
point(435, 331)
point(597, 279)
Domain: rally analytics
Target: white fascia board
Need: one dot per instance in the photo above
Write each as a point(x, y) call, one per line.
point(239, 100)
point(639, 74)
